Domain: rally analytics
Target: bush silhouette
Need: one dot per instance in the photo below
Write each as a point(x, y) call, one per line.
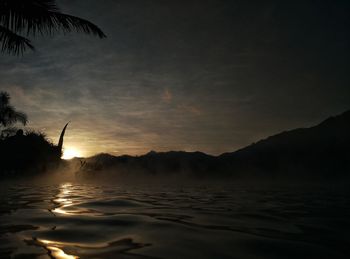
point(27, 153)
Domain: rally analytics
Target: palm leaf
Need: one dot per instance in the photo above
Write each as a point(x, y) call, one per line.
point(9, 131)
point(13, 43)
point(21, 117)
point(32, 17)
point(4, 99)
point(9, 116)
point(43, 17)
point(60, 142)
point(69, 23)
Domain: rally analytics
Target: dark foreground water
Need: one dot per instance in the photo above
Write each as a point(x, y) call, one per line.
point(92, 221)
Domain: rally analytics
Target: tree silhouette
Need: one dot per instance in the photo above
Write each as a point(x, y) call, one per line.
point(20, 19)
point(8, 114)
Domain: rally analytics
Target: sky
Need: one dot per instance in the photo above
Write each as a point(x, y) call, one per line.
point(195, 75)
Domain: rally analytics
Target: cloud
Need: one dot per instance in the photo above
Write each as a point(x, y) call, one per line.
point(167, 96)
point(213, 76)
point(189, 109)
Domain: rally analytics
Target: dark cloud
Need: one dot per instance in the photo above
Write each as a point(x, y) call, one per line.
point(193, 75)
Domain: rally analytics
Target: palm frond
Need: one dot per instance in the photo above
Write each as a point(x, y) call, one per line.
point(9, 116)
point(21, 117)
point(17, 15)
point(32, 17)
point(60, 142)
point(4, 99)
point(13, 43)
point(69, 23)
point(9, 130)
point(41, 17)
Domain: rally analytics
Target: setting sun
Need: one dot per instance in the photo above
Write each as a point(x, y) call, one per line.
point(70, 153)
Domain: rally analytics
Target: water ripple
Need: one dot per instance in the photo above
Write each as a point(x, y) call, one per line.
point(88, 221)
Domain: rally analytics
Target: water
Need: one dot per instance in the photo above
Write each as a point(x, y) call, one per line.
point(94, 221)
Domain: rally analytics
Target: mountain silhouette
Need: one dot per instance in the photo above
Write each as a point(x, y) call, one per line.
point(321, 151)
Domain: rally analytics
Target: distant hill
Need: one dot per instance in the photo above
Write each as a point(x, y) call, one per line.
point(322, 151)
point(173, 163)
point(319, 151)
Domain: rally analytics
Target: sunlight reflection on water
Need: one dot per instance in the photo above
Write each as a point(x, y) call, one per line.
point(55, 251)
point(63, 199)
point(90, 221)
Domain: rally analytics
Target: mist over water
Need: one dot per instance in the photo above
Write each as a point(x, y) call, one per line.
point(87, 220)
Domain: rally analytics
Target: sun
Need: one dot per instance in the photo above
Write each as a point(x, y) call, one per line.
point(69, 153)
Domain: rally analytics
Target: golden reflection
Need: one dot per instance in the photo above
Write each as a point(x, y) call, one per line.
point(60, 254)
point(68, 199)
point(55, 251)
point(64, 199)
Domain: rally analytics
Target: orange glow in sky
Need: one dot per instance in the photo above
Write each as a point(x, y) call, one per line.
point(69, 153)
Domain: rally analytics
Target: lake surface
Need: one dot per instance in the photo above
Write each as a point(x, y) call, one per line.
point(73, 220)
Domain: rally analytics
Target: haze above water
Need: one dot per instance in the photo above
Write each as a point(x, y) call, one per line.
point(71, 220)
